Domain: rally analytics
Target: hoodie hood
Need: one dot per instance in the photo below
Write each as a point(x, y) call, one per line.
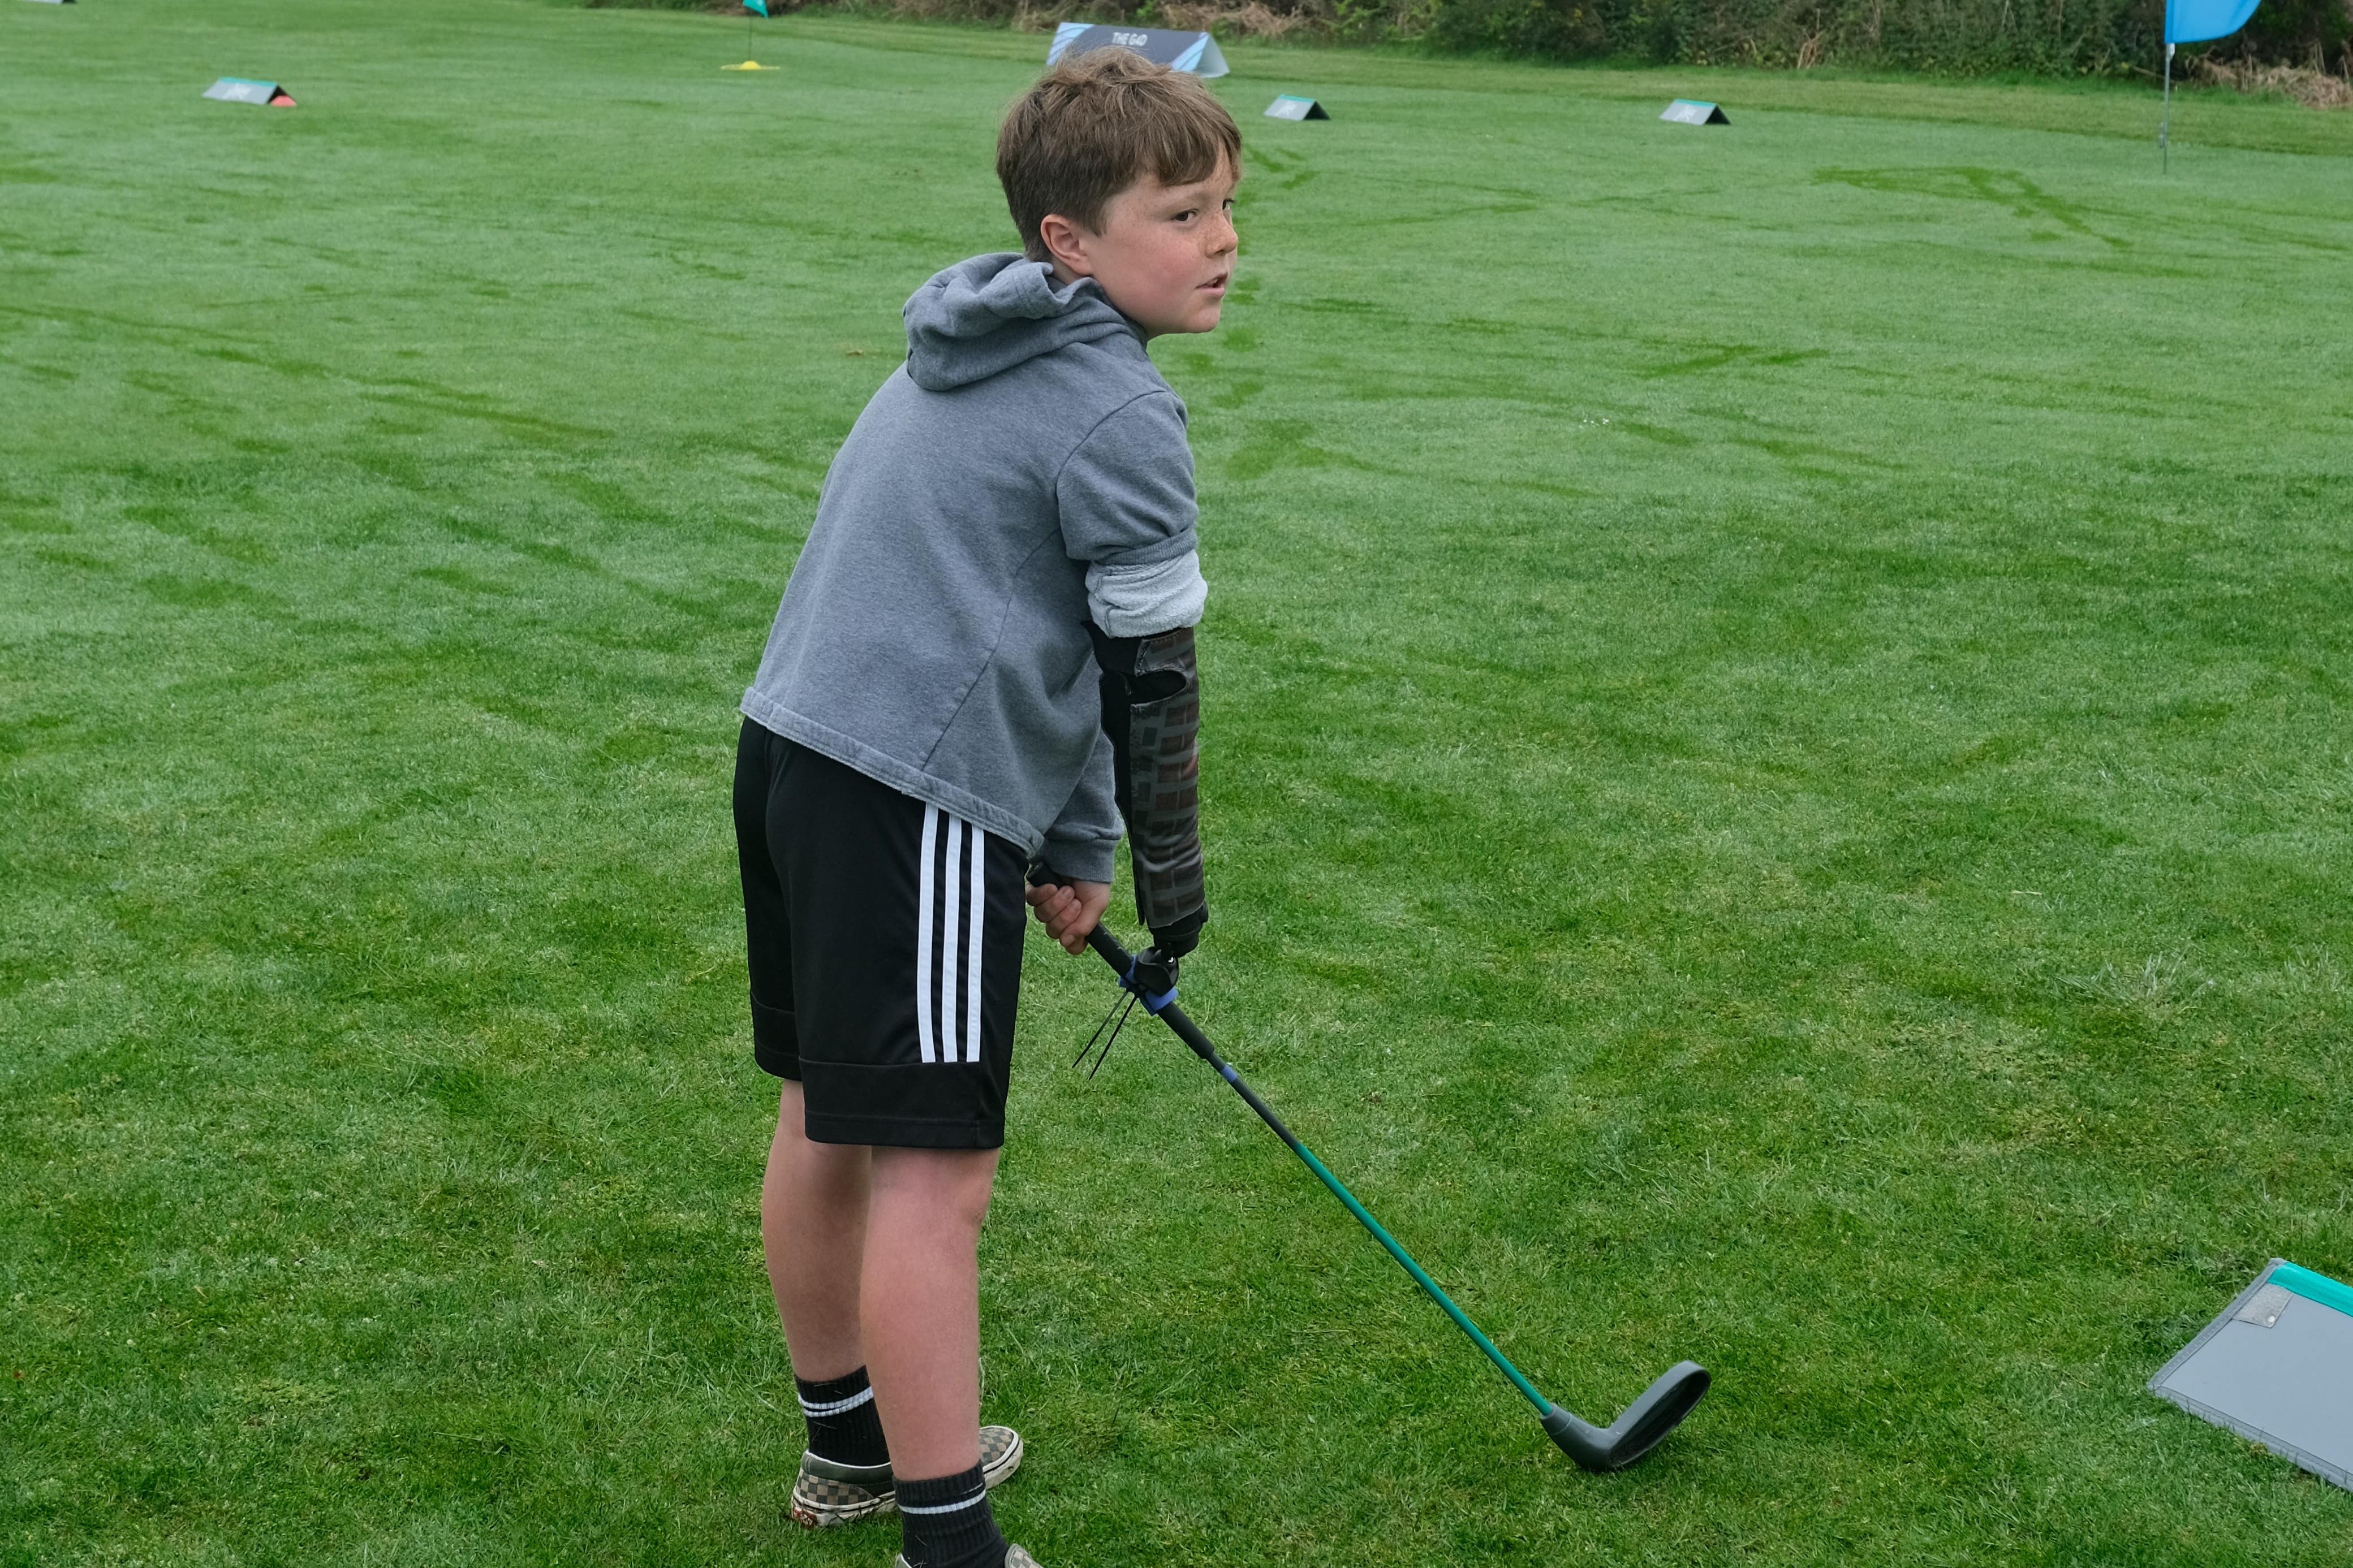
point(989, 314)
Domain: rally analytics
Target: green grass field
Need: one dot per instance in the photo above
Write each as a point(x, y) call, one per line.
point(1779, 779)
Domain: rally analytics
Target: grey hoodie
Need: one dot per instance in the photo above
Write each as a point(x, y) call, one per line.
point(1024, 471)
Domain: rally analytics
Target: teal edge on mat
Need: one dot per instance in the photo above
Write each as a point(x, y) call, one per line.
point(2314, 1287)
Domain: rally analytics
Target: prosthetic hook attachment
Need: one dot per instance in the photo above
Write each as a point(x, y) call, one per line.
point(1149, 978)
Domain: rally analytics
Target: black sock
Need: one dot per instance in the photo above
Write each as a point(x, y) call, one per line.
point(946, 1523)
point(842, 1424)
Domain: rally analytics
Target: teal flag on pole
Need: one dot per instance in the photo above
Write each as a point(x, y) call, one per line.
point(2194, 21)
point(760, 6)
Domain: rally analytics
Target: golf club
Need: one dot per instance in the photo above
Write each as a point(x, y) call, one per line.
point(1152, 980)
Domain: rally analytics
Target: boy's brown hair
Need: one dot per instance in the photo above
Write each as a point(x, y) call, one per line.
point(1099, 124)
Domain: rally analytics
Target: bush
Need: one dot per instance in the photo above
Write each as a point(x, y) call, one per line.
point(1953, 37)
point(1948, 36)
point(2312, 34)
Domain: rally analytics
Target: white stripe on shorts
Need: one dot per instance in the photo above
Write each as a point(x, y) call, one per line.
point(972, 948)
point(951, 886)
point(924, 933)
point(951, 900)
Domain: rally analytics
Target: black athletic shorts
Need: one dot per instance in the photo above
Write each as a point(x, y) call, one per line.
point(885, 940)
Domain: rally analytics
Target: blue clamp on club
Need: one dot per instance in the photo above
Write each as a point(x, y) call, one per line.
point(1146, 977)
point(1143, 970)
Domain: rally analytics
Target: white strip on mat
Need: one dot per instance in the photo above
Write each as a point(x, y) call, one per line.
point(924, 935)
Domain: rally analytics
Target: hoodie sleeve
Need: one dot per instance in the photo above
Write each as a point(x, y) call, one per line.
point(1127, 509)
point(1084, 840)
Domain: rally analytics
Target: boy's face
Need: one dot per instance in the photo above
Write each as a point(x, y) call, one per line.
point(1165, 256)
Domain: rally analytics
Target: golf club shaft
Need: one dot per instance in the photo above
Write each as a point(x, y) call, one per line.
point(1109, 948)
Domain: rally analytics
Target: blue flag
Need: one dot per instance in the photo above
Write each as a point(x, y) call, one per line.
point(2191, 21)
point(760, 6)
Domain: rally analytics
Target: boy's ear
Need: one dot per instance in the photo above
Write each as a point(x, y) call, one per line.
point(1066, 245)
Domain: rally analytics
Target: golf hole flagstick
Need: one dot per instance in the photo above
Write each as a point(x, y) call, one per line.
point(1152, 980)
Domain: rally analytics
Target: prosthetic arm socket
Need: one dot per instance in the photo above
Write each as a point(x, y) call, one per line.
point(1152, 711)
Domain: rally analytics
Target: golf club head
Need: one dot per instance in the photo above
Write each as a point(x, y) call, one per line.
point(1639, 1430)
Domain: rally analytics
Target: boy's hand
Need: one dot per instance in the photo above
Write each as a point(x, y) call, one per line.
point(1070, 910)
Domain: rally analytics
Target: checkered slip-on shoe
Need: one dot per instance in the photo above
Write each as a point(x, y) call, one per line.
point(828, 1493)
point(1000, 1456)
point(1014, 1558)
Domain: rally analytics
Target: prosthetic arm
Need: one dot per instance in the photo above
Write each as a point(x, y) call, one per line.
point(1152, 712)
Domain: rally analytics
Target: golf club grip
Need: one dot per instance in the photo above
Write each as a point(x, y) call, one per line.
point(1104, 943)
point(1100, 938)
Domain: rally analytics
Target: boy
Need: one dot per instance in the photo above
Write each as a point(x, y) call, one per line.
point(983, 662)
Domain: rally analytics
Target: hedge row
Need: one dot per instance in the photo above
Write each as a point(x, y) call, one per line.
point(1961, 37)
point(1953, 37)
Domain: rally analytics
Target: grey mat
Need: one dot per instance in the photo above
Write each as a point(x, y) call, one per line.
point(2276, 1368)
